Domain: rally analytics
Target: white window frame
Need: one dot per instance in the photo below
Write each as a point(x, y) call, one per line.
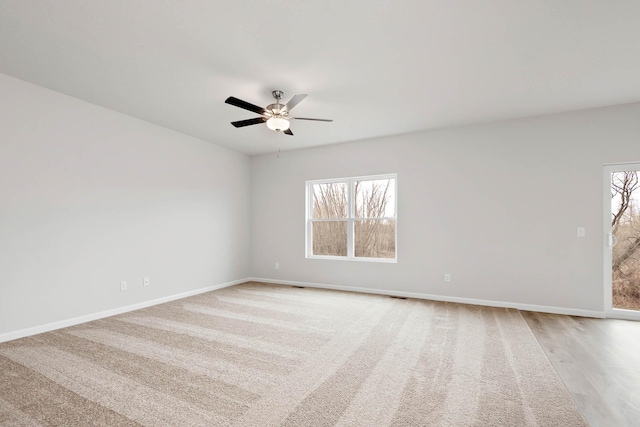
point(350, 219)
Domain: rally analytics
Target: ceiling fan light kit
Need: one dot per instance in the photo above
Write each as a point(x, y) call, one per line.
point(275, 115)
point(278, 123)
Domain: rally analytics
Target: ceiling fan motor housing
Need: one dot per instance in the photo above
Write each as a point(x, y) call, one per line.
point(276, 109)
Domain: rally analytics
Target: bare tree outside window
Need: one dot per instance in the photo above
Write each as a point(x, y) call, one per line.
point(354, 218)
point(375, 233)
point(625, 225)
point(330, 208)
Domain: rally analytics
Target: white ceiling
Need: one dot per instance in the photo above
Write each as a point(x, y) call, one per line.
point(376, 67)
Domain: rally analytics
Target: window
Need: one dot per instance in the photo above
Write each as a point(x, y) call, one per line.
point(352, 218)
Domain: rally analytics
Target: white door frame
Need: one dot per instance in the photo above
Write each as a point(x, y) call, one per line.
point(610, 312)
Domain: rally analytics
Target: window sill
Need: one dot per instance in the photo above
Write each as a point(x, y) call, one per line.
point(356, 259)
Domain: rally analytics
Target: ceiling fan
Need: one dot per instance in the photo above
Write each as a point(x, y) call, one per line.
point(275, 115)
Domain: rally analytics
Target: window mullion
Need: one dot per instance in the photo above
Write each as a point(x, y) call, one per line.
point(350, 226)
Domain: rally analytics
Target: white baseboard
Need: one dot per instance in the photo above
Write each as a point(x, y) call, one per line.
point(519, 306)
point(621, 314)
point(8, 336)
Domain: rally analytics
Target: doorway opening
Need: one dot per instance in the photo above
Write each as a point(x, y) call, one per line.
point(622, 253)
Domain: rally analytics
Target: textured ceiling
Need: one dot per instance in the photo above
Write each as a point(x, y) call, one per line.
point(376, 67)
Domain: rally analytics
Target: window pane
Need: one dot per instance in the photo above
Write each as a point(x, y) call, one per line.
point(330, 200)
point(330, 238)
point(375, 238)
point(375, 198)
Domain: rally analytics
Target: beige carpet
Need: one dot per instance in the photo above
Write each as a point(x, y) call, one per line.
point(265, 355)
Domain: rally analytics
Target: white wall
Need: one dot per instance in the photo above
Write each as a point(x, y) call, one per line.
point(89, 197)
point(495, 205)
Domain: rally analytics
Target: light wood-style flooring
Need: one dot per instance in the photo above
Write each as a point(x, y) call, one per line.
point(599, 362)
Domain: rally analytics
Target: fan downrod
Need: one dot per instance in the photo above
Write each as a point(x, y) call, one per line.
point(277, 109)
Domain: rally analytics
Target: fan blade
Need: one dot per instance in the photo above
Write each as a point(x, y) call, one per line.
point(294, 101)
point(288, 132)
point(315, 120)
point(248, 122)
point(244, 104)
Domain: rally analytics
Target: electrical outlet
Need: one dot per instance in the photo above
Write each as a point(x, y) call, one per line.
point(123, 285)
point(447, 278)
point(146, 281)
point(277, 266)
point(581, 232)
